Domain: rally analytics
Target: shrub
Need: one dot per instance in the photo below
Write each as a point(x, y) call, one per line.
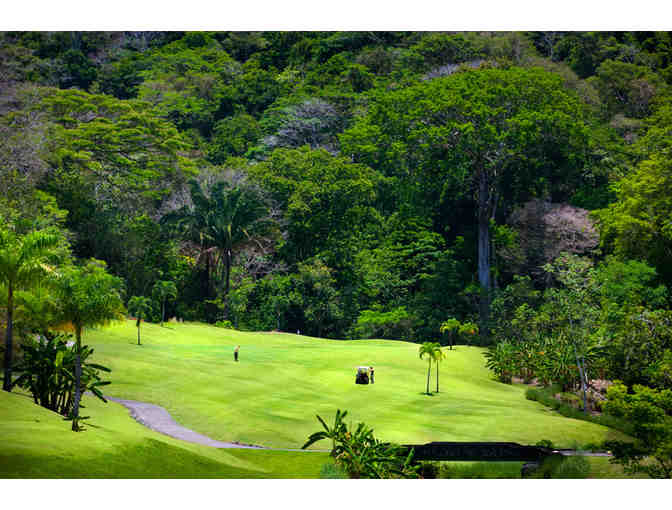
point(224, 324)
point(47, 371)
point(545, 396)
point(360, 454)
point(575, 466)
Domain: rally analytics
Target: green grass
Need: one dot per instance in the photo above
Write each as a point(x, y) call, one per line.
point(37, 443)
point(269, 398)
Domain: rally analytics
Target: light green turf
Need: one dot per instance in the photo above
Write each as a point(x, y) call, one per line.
point(37, 443)
point(271, 396)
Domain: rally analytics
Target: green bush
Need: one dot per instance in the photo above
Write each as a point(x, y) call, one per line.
point(360, 454)
point(571, 467)
point(545, 396)
point(224, 324)
point(48, 372)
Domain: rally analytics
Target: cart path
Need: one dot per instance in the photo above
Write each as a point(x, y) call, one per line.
point(158, 419)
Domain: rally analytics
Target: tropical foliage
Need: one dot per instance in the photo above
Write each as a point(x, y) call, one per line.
point(360, 454)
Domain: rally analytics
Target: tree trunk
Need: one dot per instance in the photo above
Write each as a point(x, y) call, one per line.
point(7, 383)
point(429, 370)
point(484, 278)
point(78, 378)
point(163, 311)
point(138, 325)
point(228, 270)
point(437, 377)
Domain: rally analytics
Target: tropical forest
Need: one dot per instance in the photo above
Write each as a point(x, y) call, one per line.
point(316, 252)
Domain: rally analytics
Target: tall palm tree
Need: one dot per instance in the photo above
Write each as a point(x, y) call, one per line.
point(24, 260)
point(219, 221)
point(429, 349)
point(89, 296)
point(141, 307)
point(439, 356)
point(163, 290)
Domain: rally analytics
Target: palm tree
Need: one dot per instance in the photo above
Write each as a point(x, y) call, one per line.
point(161, 291)
point(439, 356)
point(141, 307)
point(220, 221)
point(429, 349)
point(89, 296)
point(23, 261)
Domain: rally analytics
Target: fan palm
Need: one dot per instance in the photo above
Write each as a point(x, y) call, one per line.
point(219, 222)
point(23, 261)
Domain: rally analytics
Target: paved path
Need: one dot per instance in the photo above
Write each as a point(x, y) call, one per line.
point(158, 419)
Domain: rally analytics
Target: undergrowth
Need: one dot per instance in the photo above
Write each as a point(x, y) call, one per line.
point(546, 397)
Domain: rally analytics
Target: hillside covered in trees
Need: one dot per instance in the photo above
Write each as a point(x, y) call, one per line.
point(346, 184)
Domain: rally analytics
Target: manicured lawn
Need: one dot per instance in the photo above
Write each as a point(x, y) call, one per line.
point(37, 443)
point(271, 396)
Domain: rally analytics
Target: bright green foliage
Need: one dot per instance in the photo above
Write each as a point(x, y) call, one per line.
point(328, 202)
point(650, 411)
point(88, 297)
point(319, 299)
point(637, 225)
point(141, 307)
point(24, 261)
point(187, 81)
point(362, 455)
point(501, 360)
point(122, 146)
point(162, 291)
point(456, 328)
point(376, 323)
point(233, 136)
point(483, 135)
point(47, 371)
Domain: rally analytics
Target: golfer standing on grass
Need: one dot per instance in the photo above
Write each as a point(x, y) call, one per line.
point(371, 374)
point(235, 353)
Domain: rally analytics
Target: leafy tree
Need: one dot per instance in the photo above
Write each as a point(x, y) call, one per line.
point(319, 298)
point(161, 291)
point(233, 136)
point(637, 225)
point(88, 297)
point(431, 350)
point(650, 412)
point(24, 260)
point(328, 202)
point(576, 303)
point(141, 307)
point(375, 323)
point(313, 122)
point(502, 134)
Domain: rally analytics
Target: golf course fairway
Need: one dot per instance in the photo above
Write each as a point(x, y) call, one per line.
point(271, 396)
